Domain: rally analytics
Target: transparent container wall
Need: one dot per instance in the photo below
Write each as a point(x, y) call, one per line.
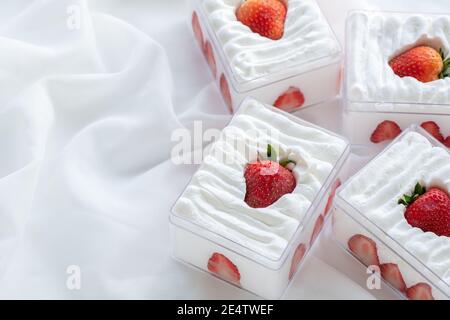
point(265, 277)
point(197, 247)
point(361, 117)
point(348, 223)
point(359, 126)
point(319, 82)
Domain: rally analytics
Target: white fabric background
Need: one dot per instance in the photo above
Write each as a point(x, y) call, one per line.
point(85, 176)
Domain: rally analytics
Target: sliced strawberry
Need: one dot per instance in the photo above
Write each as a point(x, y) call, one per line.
point(391, 273)
point(225, 89)
point(209, 55)
point(420, 291)
point(317, 228)
point(292, 99)
point(386, 130)
point(447, 142)
point(197, 29)
point(365, 249)
point(296, 259)
point(432, 128)
point(335, 186)
point(224, 268)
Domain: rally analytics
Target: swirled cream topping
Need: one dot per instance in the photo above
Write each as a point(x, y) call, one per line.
point(374, 38)
point(375, 190)
point(307, 37)
point(214, 199)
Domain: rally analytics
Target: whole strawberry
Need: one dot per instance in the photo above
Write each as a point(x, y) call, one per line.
point(428, 210)
point(265, 17)
point(267, 181)
point(424, 63)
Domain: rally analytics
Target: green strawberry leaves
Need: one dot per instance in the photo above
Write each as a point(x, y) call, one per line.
point(446, 69)
point(273, 156)
point(406, 200)
point(285, 162)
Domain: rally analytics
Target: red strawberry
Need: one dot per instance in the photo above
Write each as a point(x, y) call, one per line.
point(209, 55)
point(365, 249)
point(386, 130)
point(447, 142)
point(197, 29)
point(317, 228)
point(432, 128)
point(225, 90)
point(296, 259)
point(267, 181)
point(428, 210)
point(420, 291)
point(391, 273)
point(336, 185)
point(423, 63)
point(293, 98)
point(265, 17)
point(224, 268)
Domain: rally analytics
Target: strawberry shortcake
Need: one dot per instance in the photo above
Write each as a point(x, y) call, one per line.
point(397, 73)
point(282, 52)
point(394, 216)
point(259, 200)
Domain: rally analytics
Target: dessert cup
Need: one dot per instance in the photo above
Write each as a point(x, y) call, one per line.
point(260, 248)
point(301, 69)
point(373, 93)
point(366, 213)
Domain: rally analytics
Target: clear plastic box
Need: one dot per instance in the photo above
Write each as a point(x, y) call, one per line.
point(372, 92)
point(303, 68)
point(351, 228)
point(267, 277)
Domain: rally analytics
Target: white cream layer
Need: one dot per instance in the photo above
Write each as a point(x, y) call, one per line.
point(307, 37)
point(373, 39)
point(375, 190)
point(214, 198)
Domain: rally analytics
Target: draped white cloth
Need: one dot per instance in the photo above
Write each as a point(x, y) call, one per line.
point(90, 93)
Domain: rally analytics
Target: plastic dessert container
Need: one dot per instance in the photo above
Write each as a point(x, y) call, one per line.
point(366, 213)
point(373, 93)
point(258, 250)
point(301, 69)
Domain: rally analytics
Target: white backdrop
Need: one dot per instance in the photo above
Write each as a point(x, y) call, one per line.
point(86, 117)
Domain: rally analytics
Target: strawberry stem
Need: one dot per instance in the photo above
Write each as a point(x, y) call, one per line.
point(446, 69)
point(273, 156)
point(406, 200)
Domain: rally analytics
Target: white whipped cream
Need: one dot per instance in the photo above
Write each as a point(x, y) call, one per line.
point(215, 196)
point(373, 39)
point(307, 37)
point(375, 190)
